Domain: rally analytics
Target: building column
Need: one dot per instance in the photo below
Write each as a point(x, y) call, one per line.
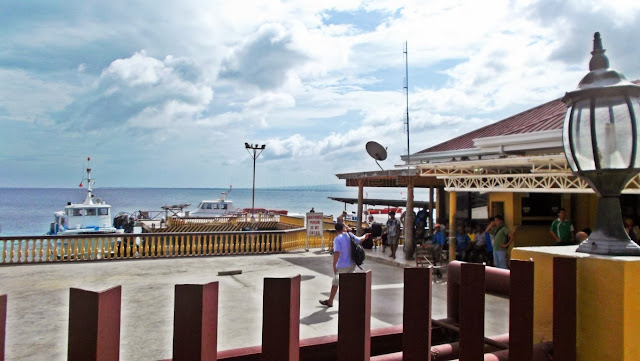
point(453, 209)
point(431, 209)
point(408, 221)
point(360, 202)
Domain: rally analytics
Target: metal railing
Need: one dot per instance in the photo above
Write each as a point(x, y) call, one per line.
point(39, 249)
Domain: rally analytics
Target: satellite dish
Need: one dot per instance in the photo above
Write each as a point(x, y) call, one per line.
point(377, 152)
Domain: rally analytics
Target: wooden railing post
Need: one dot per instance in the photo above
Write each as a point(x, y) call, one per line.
point(354, 317)
point(416, 319)
point(3, 324)
point(472, 286)
point(564, 309)
point(281, 319)
point(195, 322)
point(94, 325)
point(521, 310)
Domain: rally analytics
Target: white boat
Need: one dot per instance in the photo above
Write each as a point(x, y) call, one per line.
point(215, 208)
point(93, 216)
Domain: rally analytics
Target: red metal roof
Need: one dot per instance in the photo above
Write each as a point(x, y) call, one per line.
point(547, 116)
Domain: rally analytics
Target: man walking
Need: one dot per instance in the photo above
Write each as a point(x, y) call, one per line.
point(562, 229)
point(501, 240)
point(393, 233)
point(342, 261)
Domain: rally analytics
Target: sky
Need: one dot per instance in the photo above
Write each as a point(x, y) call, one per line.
point(166, 93)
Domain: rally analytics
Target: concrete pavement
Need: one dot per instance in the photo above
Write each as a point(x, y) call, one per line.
point(38, 300)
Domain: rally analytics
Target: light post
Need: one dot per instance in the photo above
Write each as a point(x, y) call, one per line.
point(255, 154)
point(601, 143)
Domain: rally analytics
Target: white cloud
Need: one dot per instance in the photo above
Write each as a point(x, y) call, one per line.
point(312, 80)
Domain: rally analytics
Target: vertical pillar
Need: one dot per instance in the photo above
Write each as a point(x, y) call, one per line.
point(521, 311)
point(281, 319)
point(354, 317)
point(195, 322)
point(360, 201)
point(472, 285)
point(3, 324)
point(94, 325)
point(431, 209)
point(416, 319)
point(564, 309)
point(408, 221)
point(453, 209)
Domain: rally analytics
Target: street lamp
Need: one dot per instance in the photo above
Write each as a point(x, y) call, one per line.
point(256, 153)
point(601, 142)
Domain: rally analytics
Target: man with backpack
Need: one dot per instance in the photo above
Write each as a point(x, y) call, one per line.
point(342, 259)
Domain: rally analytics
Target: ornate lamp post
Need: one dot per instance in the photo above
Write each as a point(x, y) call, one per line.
point(254, 155)
point(601, 143)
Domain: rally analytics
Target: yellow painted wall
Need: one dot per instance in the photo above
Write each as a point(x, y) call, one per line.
point(608, 291)
point(585, 215)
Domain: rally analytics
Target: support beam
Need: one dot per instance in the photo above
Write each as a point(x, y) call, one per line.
point(195, 322)
point(431, 209)
point(354, 317)
point(453, 209)
point(416, 319)
point(408, 222)
point(360, 203)
point(281, 319)
point(94, 325)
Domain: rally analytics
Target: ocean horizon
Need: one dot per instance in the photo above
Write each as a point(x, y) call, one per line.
point(29, 211)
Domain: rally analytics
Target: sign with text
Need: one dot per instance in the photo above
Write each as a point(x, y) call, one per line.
point(314, 224)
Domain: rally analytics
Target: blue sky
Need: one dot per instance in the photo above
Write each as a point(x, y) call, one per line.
point(165, 94)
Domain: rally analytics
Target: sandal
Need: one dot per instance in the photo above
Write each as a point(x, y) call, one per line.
point(325, 303)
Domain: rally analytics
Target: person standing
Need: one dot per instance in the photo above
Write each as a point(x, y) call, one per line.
point(502, 238)
point(342, 218)
point(562, 229)
point(393, 233)
point(342, 261)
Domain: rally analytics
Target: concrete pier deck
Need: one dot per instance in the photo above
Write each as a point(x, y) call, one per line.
point(38, 300)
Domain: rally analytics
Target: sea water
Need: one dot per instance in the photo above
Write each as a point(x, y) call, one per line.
point(29, 211)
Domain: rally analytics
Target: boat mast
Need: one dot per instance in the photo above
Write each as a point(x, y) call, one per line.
point(89, 198)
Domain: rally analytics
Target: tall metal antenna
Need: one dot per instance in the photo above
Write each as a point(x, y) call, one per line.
point(406, 93)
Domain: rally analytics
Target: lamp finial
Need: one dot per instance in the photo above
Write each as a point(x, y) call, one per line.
point(598, 59)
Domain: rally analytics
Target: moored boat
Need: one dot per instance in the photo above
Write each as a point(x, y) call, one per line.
point(92, 216)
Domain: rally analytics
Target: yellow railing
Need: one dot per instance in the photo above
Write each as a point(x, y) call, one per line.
point(38, 249)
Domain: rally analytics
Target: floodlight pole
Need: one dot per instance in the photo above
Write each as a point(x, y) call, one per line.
point(253, 152)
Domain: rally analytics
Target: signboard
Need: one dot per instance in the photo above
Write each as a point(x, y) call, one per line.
point(314, 224)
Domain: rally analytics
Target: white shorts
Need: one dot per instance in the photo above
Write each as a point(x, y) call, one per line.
point(336, 276)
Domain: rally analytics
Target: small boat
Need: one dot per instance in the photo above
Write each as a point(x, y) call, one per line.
point(93, 216)
point(216, 208)
point(397, 210)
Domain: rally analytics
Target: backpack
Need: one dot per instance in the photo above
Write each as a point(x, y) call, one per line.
point(357, 252)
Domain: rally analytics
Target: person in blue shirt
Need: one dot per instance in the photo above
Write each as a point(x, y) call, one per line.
point(342, 261)
point(462, 243)
point(437, 243)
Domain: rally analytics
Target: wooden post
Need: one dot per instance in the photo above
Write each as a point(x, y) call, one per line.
point(94, 325)
point(431, 209)
point(416, 319)
point(281, 319)
point(453, 209)
point(472, 286)
point(564, 309)
point(408, 221)
point(360, 206)
point(354, 317)
point(3, 324)
point(521, 311)
point(195, 322)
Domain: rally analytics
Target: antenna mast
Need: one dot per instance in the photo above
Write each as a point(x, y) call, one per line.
point(406, 93)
